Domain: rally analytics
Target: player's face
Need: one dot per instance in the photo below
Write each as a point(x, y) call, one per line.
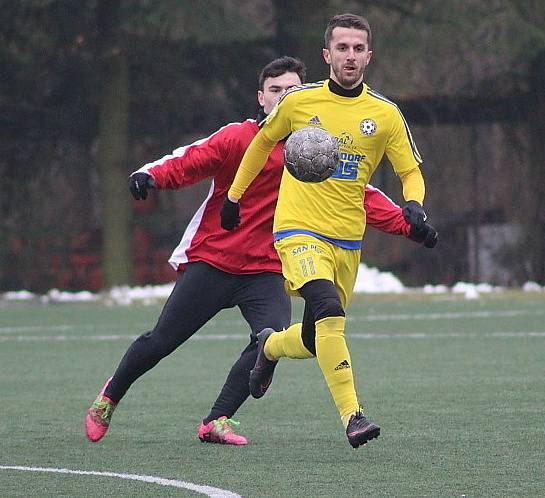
point(348, 55)
point(273, 88)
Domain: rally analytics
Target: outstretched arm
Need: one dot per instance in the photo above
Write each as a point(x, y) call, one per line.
point(191, 163)
point(276, 127)
point(252, 163)
point(405, 158)
point(385, 215)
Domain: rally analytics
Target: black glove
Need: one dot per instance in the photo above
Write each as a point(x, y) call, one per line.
point(139, 184)
point(414, 214)
point(426, 235)
point(230, 214)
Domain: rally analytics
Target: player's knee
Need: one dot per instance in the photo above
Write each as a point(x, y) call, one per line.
point(145, 337)
point(327, 307)
point(322, 298)
point(157, 344)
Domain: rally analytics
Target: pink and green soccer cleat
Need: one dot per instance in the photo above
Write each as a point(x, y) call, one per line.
point(220, 431)
point(97, 420)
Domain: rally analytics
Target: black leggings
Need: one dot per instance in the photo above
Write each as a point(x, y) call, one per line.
point(321, 300)
point(200, 292)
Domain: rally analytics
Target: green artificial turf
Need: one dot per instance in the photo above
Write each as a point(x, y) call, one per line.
point(458, 387)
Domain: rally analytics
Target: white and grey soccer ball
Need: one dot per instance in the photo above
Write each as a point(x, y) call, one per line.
point(311, 154)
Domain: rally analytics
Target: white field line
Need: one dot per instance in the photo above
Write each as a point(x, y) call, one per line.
point(174, 483)
point(10, 329)
point(445, 315)
point(237, 337)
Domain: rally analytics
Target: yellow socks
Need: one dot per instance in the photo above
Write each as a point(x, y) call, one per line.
point(346, 418)
point(334, 360)
point(287, 344)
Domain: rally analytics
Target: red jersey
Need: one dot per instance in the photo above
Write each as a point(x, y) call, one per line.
point(248, 249)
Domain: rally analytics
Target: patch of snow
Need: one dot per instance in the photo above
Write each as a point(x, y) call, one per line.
point(368, 281)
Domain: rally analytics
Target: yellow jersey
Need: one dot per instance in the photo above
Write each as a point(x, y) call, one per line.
point(366, 126)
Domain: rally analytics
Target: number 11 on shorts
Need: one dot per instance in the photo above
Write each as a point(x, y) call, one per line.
point(307, 266)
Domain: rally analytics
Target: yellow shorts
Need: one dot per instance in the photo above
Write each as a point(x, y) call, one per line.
point(305, 258)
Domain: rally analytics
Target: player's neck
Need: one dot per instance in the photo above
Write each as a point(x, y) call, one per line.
point(337, 89)
point(261, 115)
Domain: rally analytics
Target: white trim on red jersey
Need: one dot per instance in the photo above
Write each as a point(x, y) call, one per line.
point(372, 187)
point(179, 255)
point(180, 151)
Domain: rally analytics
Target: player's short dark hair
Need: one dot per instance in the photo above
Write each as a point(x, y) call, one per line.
point(347, 21)
point(280, 66)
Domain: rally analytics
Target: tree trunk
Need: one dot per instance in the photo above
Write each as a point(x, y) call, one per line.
point(113, 149)
point(535, 232)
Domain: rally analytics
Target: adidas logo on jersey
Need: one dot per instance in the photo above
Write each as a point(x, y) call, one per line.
point(315, 121)
point(342, 364)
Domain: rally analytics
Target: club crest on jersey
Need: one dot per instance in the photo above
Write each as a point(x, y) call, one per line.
point(368, 127)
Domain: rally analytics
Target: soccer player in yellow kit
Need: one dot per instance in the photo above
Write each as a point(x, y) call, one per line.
point(318, 227)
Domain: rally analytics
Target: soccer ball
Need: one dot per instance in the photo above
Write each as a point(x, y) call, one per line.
point(311, 154)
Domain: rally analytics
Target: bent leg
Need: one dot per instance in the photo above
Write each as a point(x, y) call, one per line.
point(331, 349)
point(199, 293)
point(263, 303)
point(297, 342)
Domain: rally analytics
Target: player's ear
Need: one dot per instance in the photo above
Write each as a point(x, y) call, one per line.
point(369, 57)
point(326, 55)
point(261, 98)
